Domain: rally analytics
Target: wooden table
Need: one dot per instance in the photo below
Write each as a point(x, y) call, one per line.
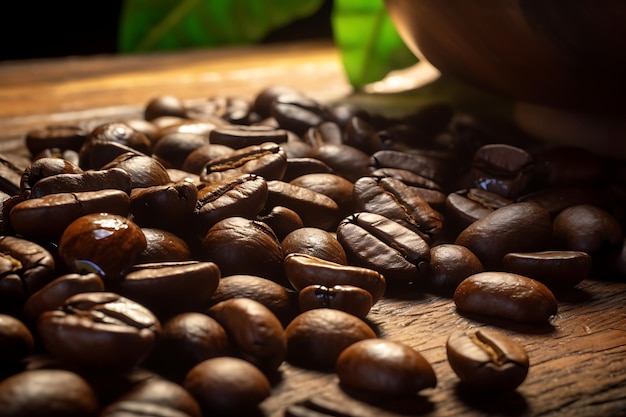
point(578, 365)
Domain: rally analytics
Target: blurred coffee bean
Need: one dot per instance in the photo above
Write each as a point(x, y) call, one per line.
point(344, 160)
point(16, 342)
point(12, 167)
point(64, 137)
point(164, 105)
point(242, 136)
point(587, 228)
point(173, 148)
point(298, 166)
point(325, 132)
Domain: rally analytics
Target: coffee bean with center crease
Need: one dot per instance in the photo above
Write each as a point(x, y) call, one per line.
point(428, 166)
point(25, 267)
point(486, 359)
point(267, 160)
point(281, 220)
point(43, 168)
point(99, 331)
point(506, 296)
point(168, 206)
point(376, 242)
point(12, 169)
point(90, 180)
point(334, 186)
point(242, 136)
point(464, 207)
point(395, 200)
point(502, 169)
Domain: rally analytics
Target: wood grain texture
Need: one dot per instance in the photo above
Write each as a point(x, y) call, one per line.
point(578, 362)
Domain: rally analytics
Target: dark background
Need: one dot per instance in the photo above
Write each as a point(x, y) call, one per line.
point(60, 28)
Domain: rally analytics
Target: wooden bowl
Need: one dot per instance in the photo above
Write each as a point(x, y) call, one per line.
point(567, 55)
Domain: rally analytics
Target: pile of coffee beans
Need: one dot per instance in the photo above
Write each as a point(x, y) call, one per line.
point(169, 265)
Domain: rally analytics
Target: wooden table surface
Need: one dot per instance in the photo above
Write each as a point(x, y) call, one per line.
point(578, 364)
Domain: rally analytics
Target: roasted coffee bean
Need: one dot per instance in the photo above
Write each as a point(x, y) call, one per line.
point(235, 110)
point(227, 386)
point(555, 269)
point(56, 153)
point(54, 294)
point(12, 168)
point(297, 112)
point(25, 267)
point(281, 220)
point(449, 265)
point(506, 295)
point(175, 147)
point(31, 218)
point(334, 186)
point(487, 359)
point(97, 153)
point(242, 136)
point(346, 161)
point(303, 165)
point(187, 339)
point(16, 342)
point(315, 242)
point(376, 242)
point(396, 201)
point(348, 298)
point(242, 196)
point(163, 246)
point(325, 132)
point(502, 169)
point(265, 98)
point(255, 332)
point(587, 228)
point(164, 393)
point(197, 159)
point(104, 243)
point(144, 170)
point(408, 177)
point(282, 301)
point(243, 246)
point(385, 367)
point(47, 393)
point(361, 134)
point(316, 338)
point(99, 331)
point(169, 288)
point(464, 207)
point(168, 206)
point(303, 270)
point(120, 133)
point(43, 168)
point(62, 137)
point(268, 160)
point(186, 126)
point(164, 105)
point(142, 125)
point(91, 180)
point(517, 227)
point(315, 209)
point(428, 166)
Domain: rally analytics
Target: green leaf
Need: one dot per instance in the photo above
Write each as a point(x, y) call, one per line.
point(369, 44)
point(152, 25)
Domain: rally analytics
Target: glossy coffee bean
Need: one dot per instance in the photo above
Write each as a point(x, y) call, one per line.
point(450, 264)
point(47, 393)
point(242, 136)
point(255, 332)
point(376, 242)
point(90, 180)
point(173, 148)
point(163, 246)
point(348, 298)
point(144, 170)
point(506, 296)
point(243, 246)
point(303, 270)
point(281, 220)
point(315, 242)
point(464, 207)
point(428, 166)
point(502, 169)
point(385, 367)
point(197, 159)
point(227, 386)
point(344, 160)
point(332, 185)
point(119, 133)
point(167, 206)
point(267, 160)
point(587, 228)
point(43, 168)
point(106, 244)
point(302, 164)
point(555, 269)
point(54, 294)
point(517, 227)
point(99, 330)
point(316, 338)
point(282, 301)
point(486, 359)
point(169, 288)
